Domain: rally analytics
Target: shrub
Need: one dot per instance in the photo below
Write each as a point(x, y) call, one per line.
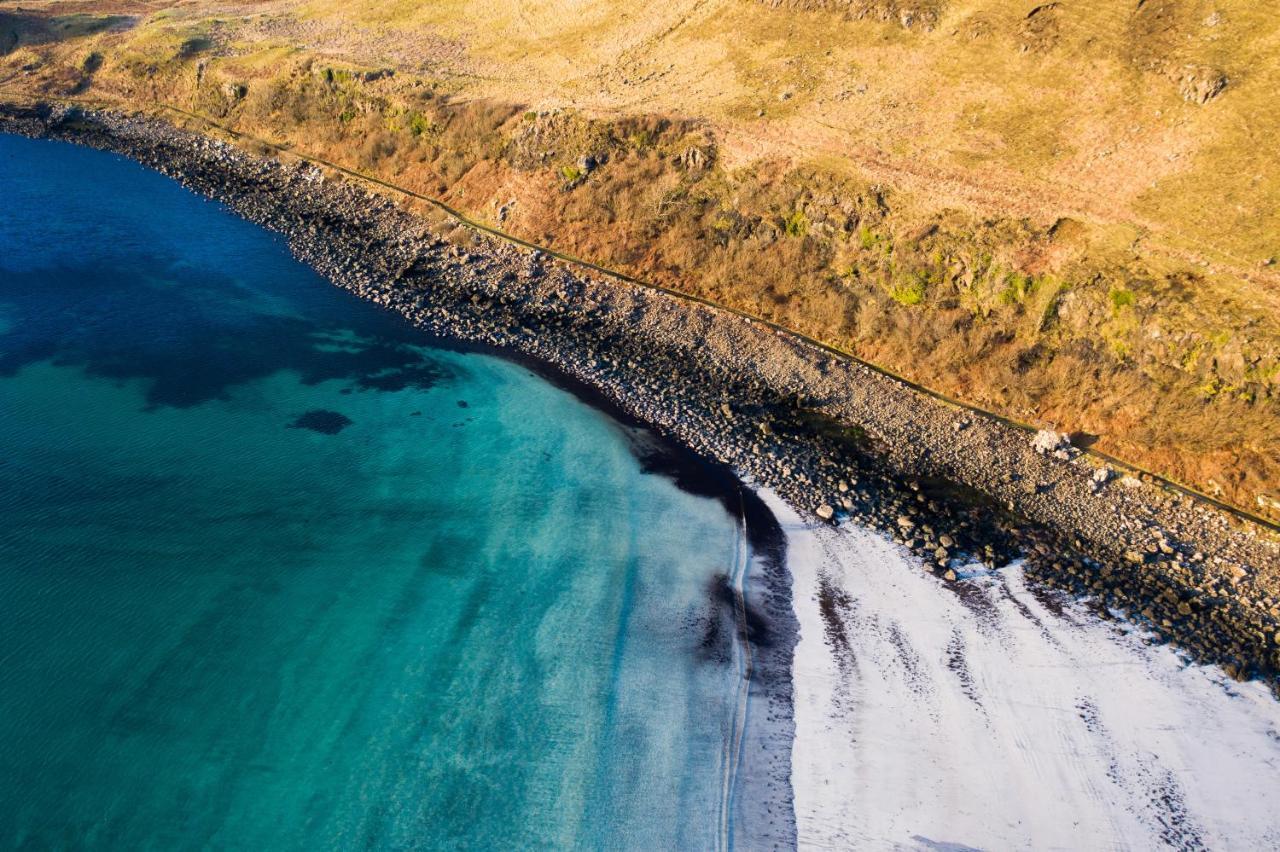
point(419, 124)
point(640, 139)
point(797, 224)
point(1121, 298)
point(337, 76)
point(909, 292)
point(193, 46)
point(1016, 288)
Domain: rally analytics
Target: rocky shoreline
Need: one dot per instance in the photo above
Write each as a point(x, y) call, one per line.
point(834, 438)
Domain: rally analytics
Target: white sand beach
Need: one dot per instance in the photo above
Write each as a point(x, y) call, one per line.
point(985, 716)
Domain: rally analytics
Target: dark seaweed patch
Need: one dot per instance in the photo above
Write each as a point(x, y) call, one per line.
point(191, 341)
point(322, 421)
point(722, 619)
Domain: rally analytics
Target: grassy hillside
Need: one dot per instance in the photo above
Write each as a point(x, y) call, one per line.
point(1068, 213)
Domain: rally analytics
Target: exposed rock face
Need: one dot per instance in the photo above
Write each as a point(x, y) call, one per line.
point(1199, 84)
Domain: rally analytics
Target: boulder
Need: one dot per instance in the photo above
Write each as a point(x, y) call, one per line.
point(1048, 441)
point(1199, 84)
point(826, 512)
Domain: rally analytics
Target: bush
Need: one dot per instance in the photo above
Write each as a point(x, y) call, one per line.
point(419, 124)
point(909, 292)
point(1121, 298)
point(1016, 288)
point(797, 224)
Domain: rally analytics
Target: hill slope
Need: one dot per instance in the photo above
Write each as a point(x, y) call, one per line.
point(1067, 213)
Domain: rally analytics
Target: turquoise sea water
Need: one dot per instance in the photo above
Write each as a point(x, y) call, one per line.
point(277, 573)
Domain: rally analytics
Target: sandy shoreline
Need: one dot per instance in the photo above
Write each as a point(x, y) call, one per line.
point(1002, 718)
point(819, 431)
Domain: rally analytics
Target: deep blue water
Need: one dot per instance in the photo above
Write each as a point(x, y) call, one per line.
point(275, 572)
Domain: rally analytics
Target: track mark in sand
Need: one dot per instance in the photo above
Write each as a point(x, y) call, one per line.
point(942, 845)
point(1029, 615)
point(1160, 803)
point(957, 663)
point(913, 670)
point(1088, 713)
point(836, 607)
point(973, 595)
point(837, 610)
point(1176, 826)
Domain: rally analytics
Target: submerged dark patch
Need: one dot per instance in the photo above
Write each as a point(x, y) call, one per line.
point(701, 477)
point(190, 338)
point(322, 421)
point(728, 613)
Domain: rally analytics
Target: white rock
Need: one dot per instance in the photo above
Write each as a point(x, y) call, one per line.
point(1048, 441)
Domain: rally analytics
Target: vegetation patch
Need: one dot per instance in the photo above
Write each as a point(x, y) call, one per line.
point(1121, 299)
point(797, 224)
point(911, 291)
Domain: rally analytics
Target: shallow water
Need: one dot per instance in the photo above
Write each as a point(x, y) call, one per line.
point(276, 572)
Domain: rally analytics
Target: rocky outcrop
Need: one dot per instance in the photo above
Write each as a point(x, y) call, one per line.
point(1199, 84)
